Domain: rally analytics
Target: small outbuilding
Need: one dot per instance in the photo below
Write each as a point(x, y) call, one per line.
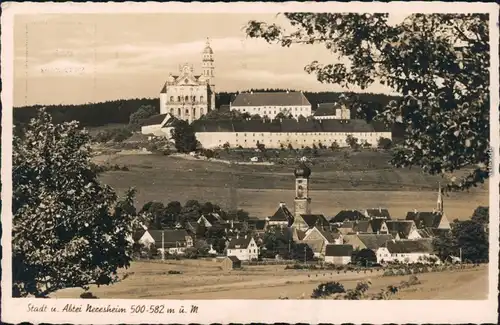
point(338, 254)
point(230, 263)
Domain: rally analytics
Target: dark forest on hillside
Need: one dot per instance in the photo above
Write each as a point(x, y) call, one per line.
point(118, 111)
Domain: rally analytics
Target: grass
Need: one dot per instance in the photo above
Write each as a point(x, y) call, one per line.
point(336, 184)
point(202, 279)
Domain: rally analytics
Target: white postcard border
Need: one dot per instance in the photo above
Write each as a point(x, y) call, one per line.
point(246, 311)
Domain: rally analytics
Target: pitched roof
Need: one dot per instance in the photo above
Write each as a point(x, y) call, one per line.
point(293, 98)
point(348, 215)
point(374, 241)
point(326, 109)
point(164, 89)
point(402, 227)
point(286, 125)
point(410, 246)
point(338, 250)
point(361, 226)
point(212, 218)
point(376, 224)
point(154, 120)
point(170, 236)
point(314, 219)
point(378, 213)
point(234, 259)
point(425, 219)
point(136, 235)
point(282, 214)
point(316, 245)
point(298, 234)
point(329, 236)
point(240, 242)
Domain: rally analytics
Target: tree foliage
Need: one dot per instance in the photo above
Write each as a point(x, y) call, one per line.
point(481, 215)
point(184, 137)
point(68, 229)
point(439, 63)
point(144, 112)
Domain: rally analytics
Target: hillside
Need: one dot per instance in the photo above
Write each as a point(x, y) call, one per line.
point(118, 111)
point(365, 180)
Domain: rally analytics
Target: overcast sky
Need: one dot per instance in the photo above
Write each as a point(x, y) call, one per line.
point(72, 59)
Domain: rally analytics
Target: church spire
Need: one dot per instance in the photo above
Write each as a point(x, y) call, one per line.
point(439, 201)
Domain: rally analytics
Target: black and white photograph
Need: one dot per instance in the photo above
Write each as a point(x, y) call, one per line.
point(222, 162)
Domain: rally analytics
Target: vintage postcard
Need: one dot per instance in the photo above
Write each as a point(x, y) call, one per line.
point(250, 162)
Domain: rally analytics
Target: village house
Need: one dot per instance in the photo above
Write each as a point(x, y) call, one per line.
point(160, 125)
point(404, 229)
point(318, 238)
point(432, 220)
point(369, 241)
point(411, 251)
point(210, 219)
point(172, 241)
point(315, 221)
point(282, 217)
point(347, 215)
point(243, 247)
point(377, 213)
point(383, 254)
point(338, 254)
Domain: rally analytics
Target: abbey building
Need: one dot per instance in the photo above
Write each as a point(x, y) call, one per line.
point(187, 95)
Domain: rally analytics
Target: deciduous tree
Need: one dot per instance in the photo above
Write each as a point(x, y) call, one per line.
point(439, 63)
point(68, 229)
point(184, 137)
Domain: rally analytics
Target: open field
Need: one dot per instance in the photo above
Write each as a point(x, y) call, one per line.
point(205, 280)
point(259, 189)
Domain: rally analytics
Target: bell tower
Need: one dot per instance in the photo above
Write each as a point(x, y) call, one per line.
point(302, 202)
point(208, 69)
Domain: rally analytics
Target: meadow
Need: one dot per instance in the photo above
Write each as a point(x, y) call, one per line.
point(204, 279)
point(362, 180)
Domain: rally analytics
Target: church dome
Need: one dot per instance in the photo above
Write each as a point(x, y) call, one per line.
point(302, 171)
point(208, 50)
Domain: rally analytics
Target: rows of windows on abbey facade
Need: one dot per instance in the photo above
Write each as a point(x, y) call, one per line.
point(187, 95)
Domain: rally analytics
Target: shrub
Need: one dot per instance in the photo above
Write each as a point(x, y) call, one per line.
point(174, 272)
point(88, 295)
point(327, 289)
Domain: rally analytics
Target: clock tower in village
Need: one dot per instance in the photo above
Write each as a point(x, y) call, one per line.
point(302, 202)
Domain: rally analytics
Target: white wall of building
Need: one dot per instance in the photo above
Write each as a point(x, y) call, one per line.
point(383, 254)
point(272, 111)
point(274, 140)
point(156, 130)
point(412, 257)
point(338, 260)
point(245, 254)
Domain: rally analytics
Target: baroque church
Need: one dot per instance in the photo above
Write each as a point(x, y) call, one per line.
point(188, 96)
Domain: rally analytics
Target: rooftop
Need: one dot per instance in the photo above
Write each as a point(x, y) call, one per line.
point(289, 125)
point(271, 99)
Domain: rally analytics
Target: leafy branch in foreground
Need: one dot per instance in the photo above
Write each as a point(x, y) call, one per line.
point(439, 63)
point(68, 229)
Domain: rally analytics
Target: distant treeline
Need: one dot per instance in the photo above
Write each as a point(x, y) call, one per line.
point(119, 111)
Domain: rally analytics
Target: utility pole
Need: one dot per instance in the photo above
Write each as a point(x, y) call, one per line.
point(162, 245)
point(460, 255)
